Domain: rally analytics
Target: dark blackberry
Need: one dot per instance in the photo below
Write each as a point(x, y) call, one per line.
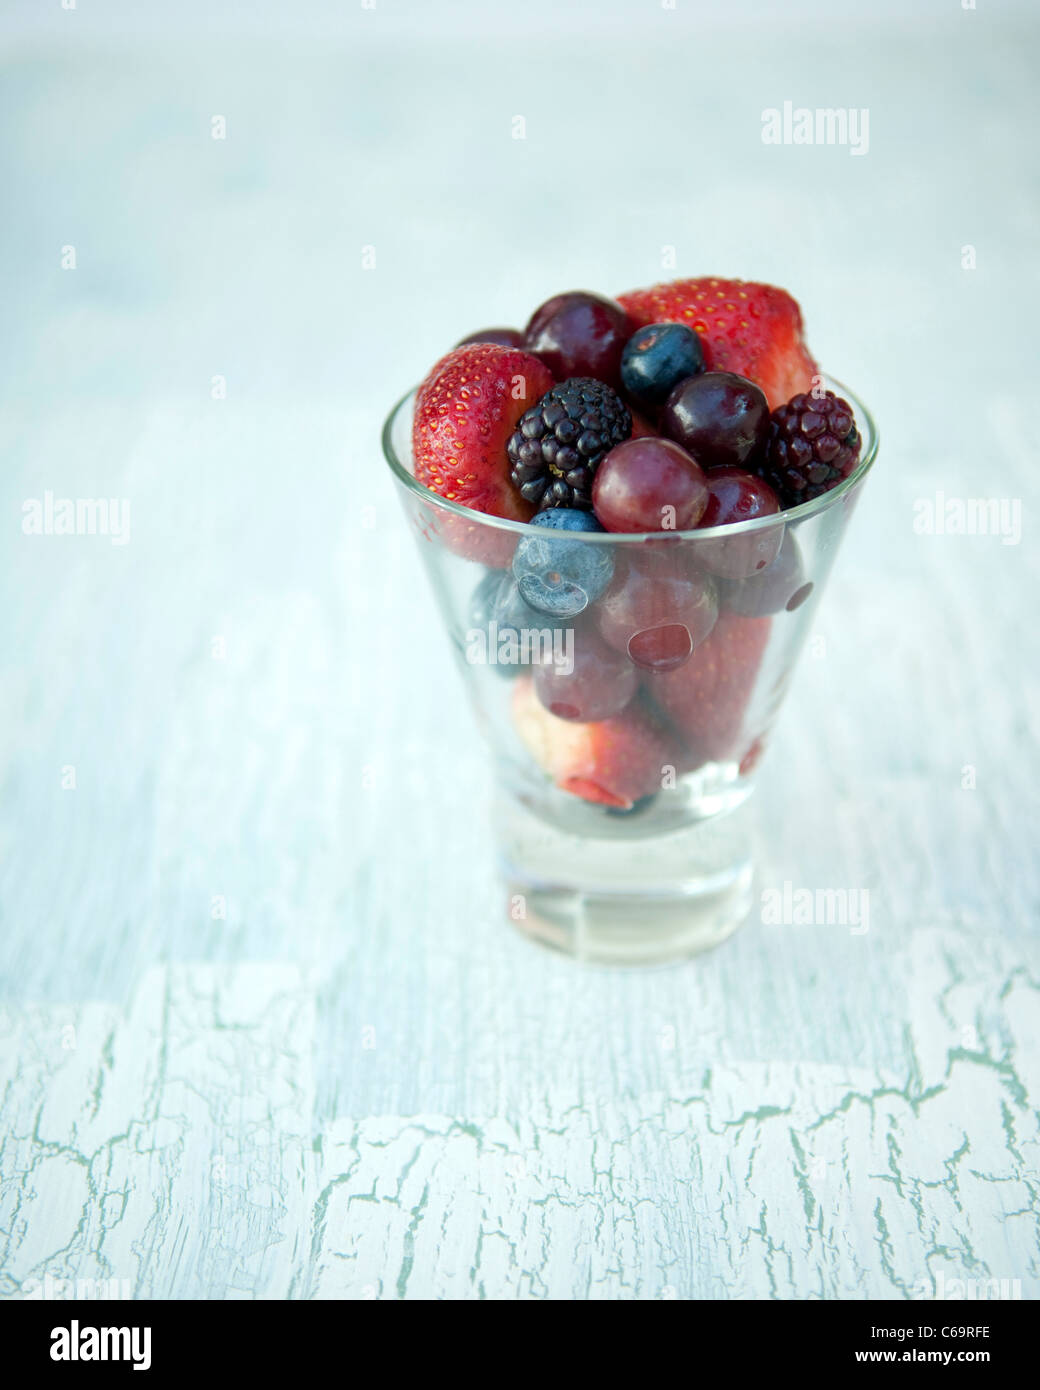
point(813, 445)
point(558, 444)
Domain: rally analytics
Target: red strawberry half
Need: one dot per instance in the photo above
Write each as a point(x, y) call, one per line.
point(706, 698)
point(613, 762)
point(465, 411)
point(751, 329)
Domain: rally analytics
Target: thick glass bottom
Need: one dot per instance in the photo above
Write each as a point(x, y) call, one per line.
point(640, 901)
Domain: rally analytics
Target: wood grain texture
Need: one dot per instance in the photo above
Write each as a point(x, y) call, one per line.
point(263, 1030)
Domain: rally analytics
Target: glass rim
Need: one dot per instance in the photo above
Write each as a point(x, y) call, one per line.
point(802, 512)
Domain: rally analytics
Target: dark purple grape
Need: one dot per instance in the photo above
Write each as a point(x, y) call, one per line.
point(782, 585)
point(579, 334)
point(734, 496)
point(504, 337)
point(722, 419)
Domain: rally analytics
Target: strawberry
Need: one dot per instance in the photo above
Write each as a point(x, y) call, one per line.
point(613, 762)
point(706, 697)
point(465, 412)
point(751, 329)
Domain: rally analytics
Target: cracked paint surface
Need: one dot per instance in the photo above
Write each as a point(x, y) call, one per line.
point(178, 1147)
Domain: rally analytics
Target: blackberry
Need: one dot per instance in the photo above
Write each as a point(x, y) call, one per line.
point(558, 444)
point(813, 445)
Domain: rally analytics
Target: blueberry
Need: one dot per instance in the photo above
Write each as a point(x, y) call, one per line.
point(566, 519)
point(496, 599)
point(640, 804)
point(559, 577)
point(656, 358)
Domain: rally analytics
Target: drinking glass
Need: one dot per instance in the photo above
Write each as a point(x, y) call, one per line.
point(627, 839)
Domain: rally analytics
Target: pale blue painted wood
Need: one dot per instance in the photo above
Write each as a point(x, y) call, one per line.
point(252, 965)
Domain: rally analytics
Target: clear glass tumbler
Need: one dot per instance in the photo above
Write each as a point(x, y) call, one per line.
point(626, 838)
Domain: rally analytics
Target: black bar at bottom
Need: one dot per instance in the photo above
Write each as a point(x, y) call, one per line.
point(177, 1339)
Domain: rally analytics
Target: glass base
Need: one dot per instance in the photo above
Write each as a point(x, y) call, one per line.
point(644, 900)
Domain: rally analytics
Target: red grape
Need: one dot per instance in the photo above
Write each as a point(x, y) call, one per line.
point(656, 610)
point(598, 685)
point(649, 485)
